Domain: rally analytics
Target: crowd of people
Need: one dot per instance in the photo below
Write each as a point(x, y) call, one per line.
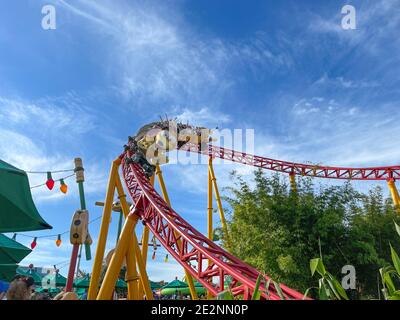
point(23, 288)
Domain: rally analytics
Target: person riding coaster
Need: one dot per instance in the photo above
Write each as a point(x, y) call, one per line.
point(153, 140)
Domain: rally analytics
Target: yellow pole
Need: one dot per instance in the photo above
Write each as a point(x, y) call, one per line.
point(219, 203)
point(166, 198)
point(105, 222)
point(209, 215)
point(132, 278)
point(117, 259)
point(145, 236)
point(145, 245)
point(142, 270)
point(293, 185)
point(394, 193)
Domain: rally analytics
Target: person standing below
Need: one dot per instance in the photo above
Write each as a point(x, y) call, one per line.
point(20, 288)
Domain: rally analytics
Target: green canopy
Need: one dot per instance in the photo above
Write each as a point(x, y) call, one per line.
point(82, 282)
point(48, 290)
point(121, 284)
point(8, 271)
point(17, 210)
point(54, 279)
point(37, 278)
point(176, 284)
point(11, 251)
point(155, 285)
point(183, 291)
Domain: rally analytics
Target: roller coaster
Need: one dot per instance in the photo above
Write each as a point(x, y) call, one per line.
point(200, 257)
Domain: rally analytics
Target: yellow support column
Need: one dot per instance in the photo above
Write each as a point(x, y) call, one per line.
point(166, 198)
point(394, 193)
point(105, 222)
point(132, 277)
point(145, 244)
point(117, 259)
point(293, 185)
point(144, 279)
point(219, 203)
point(209, 215)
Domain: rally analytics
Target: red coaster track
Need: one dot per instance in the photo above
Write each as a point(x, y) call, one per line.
point(316, 171)
point(195, 250)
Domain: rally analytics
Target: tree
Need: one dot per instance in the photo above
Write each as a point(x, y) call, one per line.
point(279, 231)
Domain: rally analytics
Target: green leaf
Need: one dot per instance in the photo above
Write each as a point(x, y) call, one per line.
point(313, 265)
point(256, 293)
point(397, 228)
point(225, 295)
point(279, 290)
point(316, 264)
point(323, 291)
point(389, 284)
point(321, 268)
point(340, 289)
point(306, 294)
point(267, 287)
point(333, 289)
point(395, 259)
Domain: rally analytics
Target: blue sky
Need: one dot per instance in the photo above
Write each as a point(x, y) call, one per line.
point(310, 90)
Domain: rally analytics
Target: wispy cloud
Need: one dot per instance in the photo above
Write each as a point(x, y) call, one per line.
point(158, 60)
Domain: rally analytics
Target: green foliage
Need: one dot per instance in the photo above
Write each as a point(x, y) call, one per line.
point(278, 231)
point(328, 287)
point(389, 274)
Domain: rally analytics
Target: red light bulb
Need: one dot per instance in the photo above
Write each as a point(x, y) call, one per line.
point(33, 244)
point(50, 181)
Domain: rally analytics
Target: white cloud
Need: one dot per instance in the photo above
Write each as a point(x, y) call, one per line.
point(157, 59)
point(342, 82)
point(203, 117)
point(35, 136)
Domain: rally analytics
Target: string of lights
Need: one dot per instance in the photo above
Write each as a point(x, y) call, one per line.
point(52, 171)
point(50, 183)
point(58, 235)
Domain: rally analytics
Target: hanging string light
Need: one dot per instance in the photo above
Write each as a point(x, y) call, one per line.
point(50, 181)
point(34, 243)
point(153, 256)
point(58, 241)
point(63, 186)
point(166, 258)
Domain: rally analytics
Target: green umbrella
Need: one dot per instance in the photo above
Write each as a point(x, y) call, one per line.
point(176, 284)
point(170, 290)
point(54, 279)
point(173, 287)
point(82, 282)
point(18, 212)
point(11, 251)
point(183, 291)
point(8, 271)
point(121, 284)
point(37, 278)
point(80, 291)
point(155, 285)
